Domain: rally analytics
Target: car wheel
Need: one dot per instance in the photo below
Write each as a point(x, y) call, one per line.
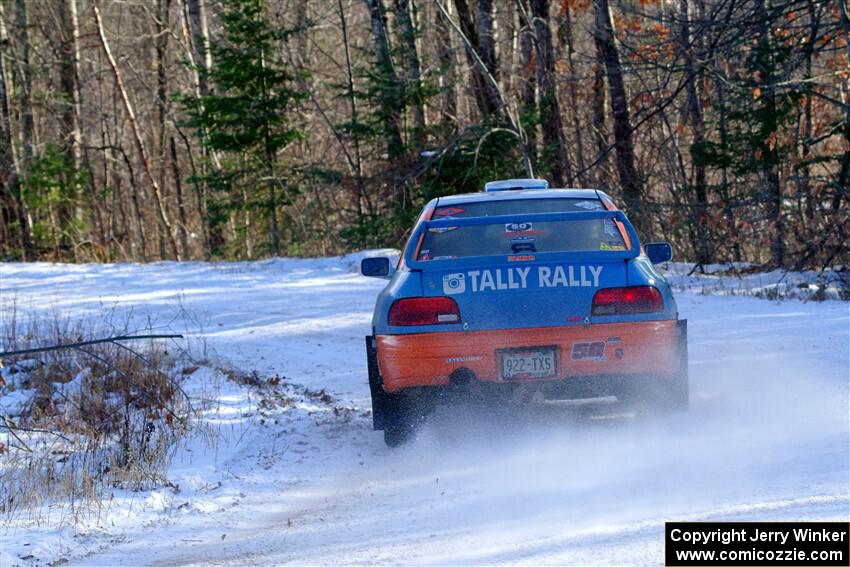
point(398, 435)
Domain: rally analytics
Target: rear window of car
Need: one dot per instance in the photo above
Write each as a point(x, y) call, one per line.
point(521, 239)
point(516, 206)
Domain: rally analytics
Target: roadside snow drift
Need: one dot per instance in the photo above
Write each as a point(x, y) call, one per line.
point(298, 476)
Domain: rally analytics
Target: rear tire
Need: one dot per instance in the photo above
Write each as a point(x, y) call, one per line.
point(398, 435)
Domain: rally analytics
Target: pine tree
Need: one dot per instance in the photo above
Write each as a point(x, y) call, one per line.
point(245, 115)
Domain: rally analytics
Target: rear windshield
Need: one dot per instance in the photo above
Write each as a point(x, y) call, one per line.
point(521, 239)
point(516, 206)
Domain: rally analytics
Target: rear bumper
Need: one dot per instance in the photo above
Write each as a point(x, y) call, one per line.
point(429, 359)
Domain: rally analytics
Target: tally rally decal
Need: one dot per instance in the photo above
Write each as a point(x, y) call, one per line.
point(518, 278)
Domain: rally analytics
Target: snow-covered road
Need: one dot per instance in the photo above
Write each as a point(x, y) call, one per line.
point(767, 437)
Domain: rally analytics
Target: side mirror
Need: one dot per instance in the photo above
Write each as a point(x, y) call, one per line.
point(658, 252)
point(378, 267)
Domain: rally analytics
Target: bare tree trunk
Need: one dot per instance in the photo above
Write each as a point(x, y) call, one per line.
point(95, 203)
point(487, 48)
point(137, 209)
point(25, 95)
point(843, 184)
point(354, 117)
point(770, 157)
point(600, 131)
point(275, 233)
point(515, 126)
point(448, 75)
point(8, 157)
point(510, 61)
point(805, 154)
point(529, 62)
point(844, 174)
point(115, 205)
point(485, 97)
point(163, 8)
point(725, 194)
point(413, 71)
point(630, 182)
point(178, 190)
point(140, 145)
point(554, 143)
point(565, 33)
point(271, 160)
point(246, 223)
point(391, 100)
point(194, 29)
point(71, 138)
point(694, 106)
point(197, 19)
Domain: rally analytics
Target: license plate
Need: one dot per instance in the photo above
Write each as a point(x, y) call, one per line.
point(529, 363)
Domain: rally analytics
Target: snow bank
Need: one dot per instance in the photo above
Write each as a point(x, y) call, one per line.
point(749, 280)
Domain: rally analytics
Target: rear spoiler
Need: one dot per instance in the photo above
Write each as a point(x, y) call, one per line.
point(585, 256)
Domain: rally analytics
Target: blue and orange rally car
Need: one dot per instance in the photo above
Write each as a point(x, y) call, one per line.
point(523, 288)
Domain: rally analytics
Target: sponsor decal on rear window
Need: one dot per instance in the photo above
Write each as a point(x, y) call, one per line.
point(514, 228)
point(448, 212)
point(590, 205)
point(611, 246)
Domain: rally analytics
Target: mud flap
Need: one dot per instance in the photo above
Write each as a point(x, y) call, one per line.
point(383, 409)
point(682, 387)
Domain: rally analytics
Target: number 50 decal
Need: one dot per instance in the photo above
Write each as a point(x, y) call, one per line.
point(589, 351)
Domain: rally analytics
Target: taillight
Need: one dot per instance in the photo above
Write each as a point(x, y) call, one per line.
point(424, 311)
point(627, 300)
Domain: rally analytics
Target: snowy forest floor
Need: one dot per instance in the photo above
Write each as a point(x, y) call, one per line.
point(296, 475)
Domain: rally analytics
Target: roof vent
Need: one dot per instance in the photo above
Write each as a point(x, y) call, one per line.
point(515, 185)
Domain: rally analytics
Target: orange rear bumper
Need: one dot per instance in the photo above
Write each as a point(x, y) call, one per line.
point(428, 359)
